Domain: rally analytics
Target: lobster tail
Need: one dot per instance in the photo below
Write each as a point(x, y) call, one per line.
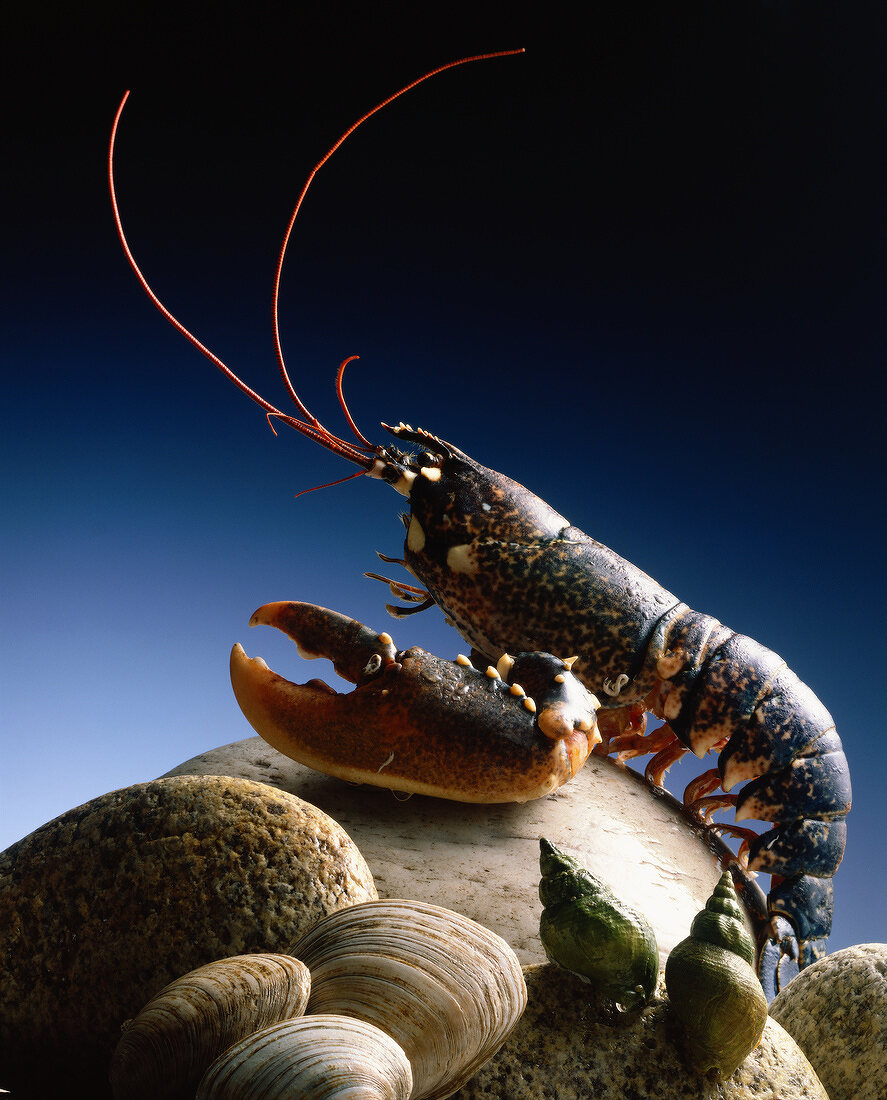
point(806, 901)
point(719, 686)
point(800, 921)
point(807, 799)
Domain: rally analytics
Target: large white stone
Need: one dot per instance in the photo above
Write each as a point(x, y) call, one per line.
point(483, 860)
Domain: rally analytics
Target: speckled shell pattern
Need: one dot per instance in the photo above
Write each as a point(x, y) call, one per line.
point(511, 573)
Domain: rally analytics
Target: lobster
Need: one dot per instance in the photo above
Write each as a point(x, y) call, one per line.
point(510, 573)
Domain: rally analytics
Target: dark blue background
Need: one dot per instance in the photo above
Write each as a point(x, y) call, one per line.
point(640, 270)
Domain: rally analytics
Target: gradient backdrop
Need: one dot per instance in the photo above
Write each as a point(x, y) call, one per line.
point(640, 270)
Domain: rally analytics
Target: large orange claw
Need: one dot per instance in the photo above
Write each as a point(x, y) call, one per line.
point(415, 722)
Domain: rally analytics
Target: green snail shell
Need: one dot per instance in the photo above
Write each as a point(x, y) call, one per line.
point(714, 994)
point(585, 928)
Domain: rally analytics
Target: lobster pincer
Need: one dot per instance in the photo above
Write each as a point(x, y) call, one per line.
point(416, 722)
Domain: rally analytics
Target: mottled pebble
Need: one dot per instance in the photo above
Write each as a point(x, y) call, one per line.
point(836, 1011)
point(573, 1044)
point(107, 904)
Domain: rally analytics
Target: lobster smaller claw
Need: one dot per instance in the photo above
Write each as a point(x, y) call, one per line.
point(416, 722)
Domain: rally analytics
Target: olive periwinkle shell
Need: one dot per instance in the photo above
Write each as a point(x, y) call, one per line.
point(714, 994)
point(586, 929)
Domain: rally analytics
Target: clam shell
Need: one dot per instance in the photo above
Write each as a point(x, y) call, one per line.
point(314, 1058)
point(447, 989)
point(165, 1050)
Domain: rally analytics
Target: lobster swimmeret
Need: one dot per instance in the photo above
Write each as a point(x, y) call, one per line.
point(511, 574)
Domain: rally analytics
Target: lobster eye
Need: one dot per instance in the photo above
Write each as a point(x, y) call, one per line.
point(426, 458)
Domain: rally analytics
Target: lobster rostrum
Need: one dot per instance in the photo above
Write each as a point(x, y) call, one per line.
point(513, 575)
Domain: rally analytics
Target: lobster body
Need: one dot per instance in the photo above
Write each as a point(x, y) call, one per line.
point(508, 570)
point(511, 572)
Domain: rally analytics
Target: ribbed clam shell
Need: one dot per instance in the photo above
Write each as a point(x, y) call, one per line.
point(165, 1050)
point(446, 988)
point(311, 1058)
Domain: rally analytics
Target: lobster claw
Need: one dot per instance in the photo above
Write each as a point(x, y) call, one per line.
point(415, 722)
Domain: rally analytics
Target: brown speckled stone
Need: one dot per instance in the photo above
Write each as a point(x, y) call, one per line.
point(572, 1044)
point(836, 1011)
point(102, 907)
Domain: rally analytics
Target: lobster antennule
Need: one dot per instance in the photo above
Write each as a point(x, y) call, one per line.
point(340, 393)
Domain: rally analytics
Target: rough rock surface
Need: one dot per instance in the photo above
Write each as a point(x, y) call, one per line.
point(102, 907)
point(573, 1044)
point(836, 1011)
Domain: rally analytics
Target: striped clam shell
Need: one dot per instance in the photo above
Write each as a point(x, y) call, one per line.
point(165, 1050)
point(447, 989)
point(314, 1058)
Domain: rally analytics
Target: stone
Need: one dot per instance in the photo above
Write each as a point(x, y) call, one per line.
point(483, 860)
point(105, 905)
point(572, 1043)
point(836, 1011)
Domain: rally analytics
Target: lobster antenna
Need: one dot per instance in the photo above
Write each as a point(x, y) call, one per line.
point(294, 397)
point(315, 430)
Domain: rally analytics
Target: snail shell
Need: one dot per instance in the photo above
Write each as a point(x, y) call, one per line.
point(165, 1050)
point(447, 989)
point(585, 928)
point(713, 992)
point(312, 1058)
